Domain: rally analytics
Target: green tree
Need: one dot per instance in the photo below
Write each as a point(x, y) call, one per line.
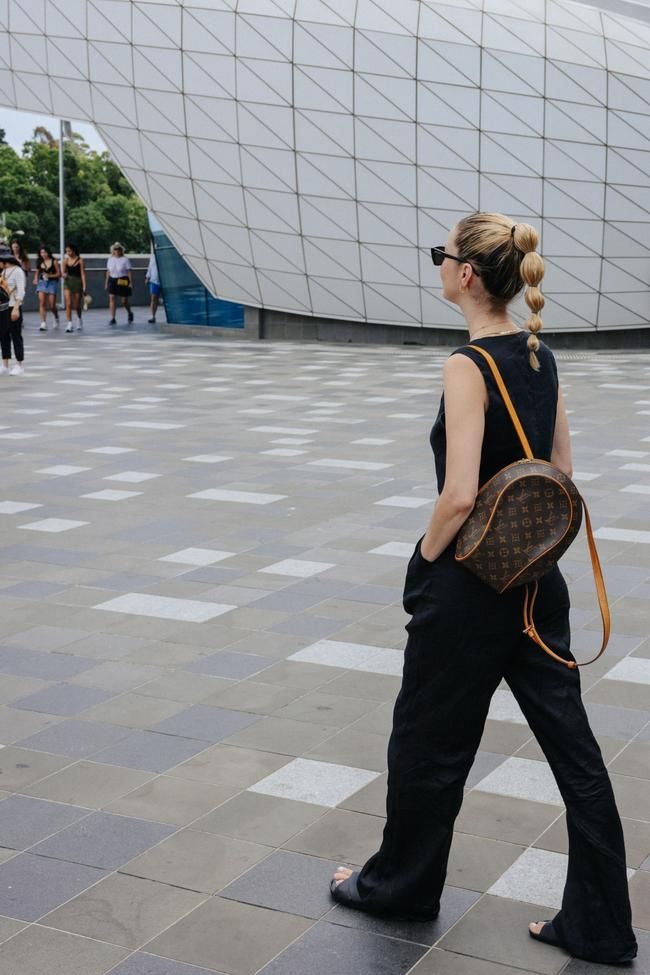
point(100, 204)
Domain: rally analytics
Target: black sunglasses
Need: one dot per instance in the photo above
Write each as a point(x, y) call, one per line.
point(438, 254)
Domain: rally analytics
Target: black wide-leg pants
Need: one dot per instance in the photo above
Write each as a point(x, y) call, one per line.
point(463, 640)
point(11, 332)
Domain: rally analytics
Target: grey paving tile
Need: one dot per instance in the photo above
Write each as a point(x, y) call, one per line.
point(341, 835)
point(123, 910)
point(286, 882)
point(48, 666)
point(103, 840)
point(24, 821)
point(9, 927)
point(321, 948)
point(453, 904)
point(504, 817)
point(260, 818)
point(149, 751)
point(74, 738)
point(33, 590)
point(38, 949)
point(207, 724)
point(30, 886)
point(437, 962)
point(229, 664)
point(20, 767)
point(197, 861)
point(236, 938)
point(141, 963)
point(227, 765)
point(87, 784)
point(63, 699)
point(496, 929)
point(171, 800)
point(281, 735)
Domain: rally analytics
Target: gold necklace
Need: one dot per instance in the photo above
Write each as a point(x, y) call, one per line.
point(488, 335)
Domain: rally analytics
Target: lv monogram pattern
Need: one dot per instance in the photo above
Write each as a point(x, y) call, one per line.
point(523, 521)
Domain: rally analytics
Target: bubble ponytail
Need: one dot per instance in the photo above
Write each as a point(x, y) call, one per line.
point(531, 271)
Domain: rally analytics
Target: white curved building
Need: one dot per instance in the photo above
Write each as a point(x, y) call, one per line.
point(303, 155)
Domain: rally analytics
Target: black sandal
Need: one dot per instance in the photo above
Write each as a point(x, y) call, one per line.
point(347, 894)
point(548, 936)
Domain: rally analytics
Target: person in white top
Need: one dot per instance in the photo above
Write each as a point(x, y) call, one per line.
point(12, 285)
point(119, 281)
point(152, 278)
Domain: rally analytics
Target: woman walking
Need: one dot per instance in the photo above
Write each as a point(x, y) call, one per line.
point(46, 281)
point(12, 285)
point(464, 638)
point(119, 282)
point(20, 254)
point(74, 285)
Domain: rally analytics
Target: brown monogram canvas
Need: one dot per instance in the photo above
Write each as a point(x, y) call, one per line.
point(523, 521)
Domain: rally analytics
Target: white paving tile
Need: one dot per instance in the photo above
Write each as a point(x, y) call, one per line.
point(297, 567)
point(18, 436)
point(585, 476)
point(239, 497)
point(131, 477)
point(353, 656)
point(165, 607)
point(352, 465)
point(110, 450)
point(623, 535)
point(15, 507)
point(150, 425)
point(61, 423)
point(636, 489)
point(397, 501)
point(110, 495)
point(536, 877)
point(292, 431)
point(402, 550)
point(321, 783)
point(627, 453)
point(523, 779)
point(207, 458)
point(284, 452)
point(53, 525)
point(372, 442)
point(639, 468)
point(504, 707)
point(197, 556)
point(62, 470)
point(636, 670)
point(292, 441)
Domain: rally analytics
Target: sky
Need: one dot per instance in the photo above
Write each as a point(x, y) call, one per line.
point(19, 126)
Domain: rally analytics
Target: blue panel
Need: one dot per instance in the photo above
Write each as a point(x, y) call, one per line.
point(187, 301)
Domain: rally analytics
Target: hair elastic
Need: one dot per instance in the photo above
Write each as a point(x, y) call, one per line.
point(514, 227)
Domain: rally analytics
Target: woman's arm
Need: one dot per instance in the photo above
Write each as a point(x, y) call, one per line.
point(56, 270)
point(82, 270)
point(465, 405)
point(561, 453)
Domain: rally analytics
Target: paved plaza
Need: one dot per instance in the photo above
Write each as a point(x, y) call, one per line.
point(202, 555)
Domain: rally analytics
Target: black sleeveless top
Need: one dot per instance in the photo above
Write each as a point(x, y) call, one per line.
point(534, 395)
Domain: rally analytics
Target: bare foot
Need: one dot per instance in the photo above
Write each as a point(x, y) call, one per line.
point(342, 874)
point(536, 926)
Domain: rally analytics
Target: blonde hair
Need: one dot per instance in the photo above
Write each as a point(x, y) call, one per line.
point(505, 256)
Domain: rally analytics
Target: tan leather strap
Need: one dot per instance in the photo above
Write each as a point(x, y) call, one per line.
point(506, 399)
point(529, 600)
point(529, 604)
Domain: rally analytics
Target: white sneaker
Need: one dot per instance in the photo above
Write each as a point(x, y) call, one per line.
point(80, 326)
point(4, 370)
point(69, 327)
point(56, 325)
point(17, 370)
point(42, 327)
